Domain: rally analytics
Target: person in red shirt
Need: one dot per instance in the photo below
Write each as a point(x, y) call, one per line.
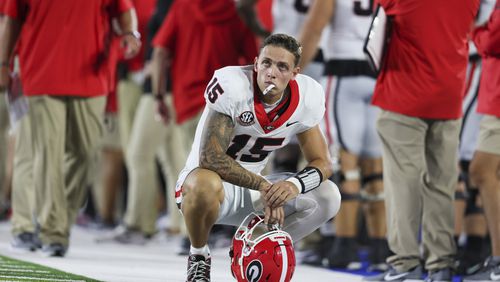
point(65, 77)
point(132, 75)
point(485, 164)
point(149, 142)
point(419, 90)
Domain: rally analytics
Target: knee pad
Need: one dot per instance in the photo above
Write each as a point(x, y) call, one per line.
point(336, 177)
point(372, 197)
point(350, 175)
point(464, 165)
point(350, 196)
point(471, 207)
point(371, 178)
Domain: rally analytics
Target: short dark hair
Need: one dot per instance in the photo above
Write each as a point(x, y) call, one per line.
point(284, 41)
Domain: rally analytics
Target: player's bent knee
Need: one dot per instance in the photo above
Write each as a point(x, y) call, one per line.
point(202, 187)
point(329, 197)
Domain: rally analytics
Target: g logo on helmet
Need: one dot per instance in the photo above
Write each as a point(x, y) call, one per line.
point(254, 271)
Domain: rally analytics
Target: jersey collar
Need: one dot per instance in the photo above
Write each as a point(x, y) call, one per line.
point(264, 121)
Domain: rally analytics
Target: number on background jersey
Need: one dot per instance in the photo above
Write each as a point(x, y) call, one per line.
point(363, 11)
point(302, 7)
point(257, 150)
point(214, 90)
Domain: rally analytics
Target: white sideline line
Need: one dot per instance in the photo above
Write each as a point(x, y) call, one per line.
point(24, 270)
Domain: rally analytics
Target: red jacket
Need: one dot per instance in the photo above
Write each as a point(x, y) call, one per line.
point(487, 40)
point(202, 36)
point(424, 71)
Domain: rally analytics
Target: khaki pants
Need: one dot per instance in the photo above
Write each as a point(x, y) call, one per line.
point(129, 93)
point(150, 139)
point(66, 132)
point(420, 174)
point(4, 141)
point(110, 142)
point(23, 193)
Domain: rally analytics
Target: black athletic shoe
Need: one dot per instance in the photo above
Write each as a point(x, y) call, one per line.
point(379, 251)
point(54, 250)
point(198, 269)
point(344, 254)
point(489, 272)
point(318, 256)
point(440, 275)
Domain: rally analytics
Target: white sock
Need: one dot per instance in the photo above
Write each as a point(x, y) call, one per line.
point(204, 251)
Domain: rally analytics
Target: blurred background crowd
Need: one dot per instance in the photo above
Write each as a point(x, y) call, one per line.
point(93, 150)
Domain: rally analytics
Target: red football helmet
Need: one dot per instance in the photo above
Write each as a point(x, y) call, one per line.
point(269, 257)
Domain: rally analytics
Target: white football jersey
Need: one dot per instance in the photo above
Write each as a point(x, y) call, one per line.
point(485, 10)
point(231, 92)
point(348, 29)
point(289, 15)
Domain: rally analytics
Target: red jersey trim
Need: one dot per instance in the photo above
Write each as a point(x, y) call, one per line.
point(264, 121)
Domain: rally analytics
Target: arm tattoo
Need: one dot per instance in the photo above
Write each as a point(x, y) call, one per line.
point(216, 138)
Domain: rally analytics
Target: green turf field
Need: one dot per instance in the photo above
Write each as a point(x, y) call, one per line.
point(17, 270)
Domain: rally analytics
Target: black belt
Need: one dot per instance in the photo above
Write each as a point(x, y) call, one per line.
point(348, 68)
point(319, 57)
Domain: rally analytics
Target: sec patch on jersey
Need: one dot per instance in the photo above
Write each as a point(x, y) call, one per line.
point(246, 118)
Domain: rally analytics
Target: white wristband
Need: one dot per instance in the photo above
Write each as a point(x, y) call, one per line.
point(296, 183)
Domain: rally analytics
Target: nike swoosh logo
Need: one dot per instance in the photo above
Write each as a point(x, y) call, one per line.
point(495, 277)
point(389, 277)
point(291, 123)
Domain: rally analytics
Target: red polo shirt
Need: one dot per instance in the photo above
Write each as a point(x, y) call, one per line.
point(63, 49)
point(202, 36)
point(426, 61)
point(487, 40)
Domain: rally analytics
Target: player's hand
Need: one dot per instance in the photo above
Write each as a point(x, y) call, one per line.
point(131, 44)
point(280, 193)
point(4, 79)
point(161, 110)
point(274, 216)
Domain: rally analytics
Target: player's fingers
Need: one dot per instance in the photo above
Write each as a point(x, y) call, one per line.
point(267, 214)
point(274, 216)
point(268, 198)
point(269, 192)
point(281, 216)
point(273, 198)
point(279, 199)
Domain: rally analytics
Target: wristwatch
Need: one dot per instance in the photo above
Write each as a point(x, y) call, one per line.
point(134, 33)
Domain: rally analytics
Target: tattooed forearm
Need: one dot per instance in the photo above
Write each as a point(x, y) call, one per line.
point(215, 141)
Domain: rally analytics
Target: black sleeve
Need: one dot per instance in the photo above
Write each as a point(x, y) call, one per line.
point(154, 24)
